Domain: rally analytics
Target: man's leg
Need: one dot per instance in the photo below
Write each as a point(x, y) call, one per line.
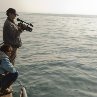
point(13, 56)
point(8, 80)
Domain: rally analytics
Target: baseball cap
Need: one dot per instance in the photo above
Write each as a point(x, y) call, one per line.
point(11, 10)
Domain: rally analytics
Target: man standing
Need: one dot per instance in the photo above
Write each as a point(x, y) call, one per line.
point(11, 32)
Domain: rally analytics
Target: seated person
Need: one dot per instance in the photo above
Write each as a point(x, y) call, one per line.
point(8, 73)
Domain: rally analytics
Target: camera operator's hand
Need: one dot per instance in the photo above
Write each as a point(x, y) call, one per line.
point(21, 26)
point(24, 27)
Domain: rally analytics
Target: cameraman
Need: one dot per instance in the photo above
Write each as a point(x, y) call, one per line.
point(11, 32)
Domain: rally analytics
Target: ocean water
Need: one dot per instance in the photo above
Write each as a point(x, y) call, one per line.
point(59, 57)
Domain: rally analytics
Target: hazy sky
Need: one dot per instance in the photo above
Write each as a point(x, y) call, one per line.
point(51, 6)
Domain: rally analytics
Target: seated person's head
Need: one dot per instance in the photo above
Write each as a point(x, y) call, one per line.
point(7, 49)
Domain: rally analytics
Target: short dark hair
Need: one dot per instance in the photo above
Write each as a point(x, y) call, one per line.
point(11, 10)
point(6, 48)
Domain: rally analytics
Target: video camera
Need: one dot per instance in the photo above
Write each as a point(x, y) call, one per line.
point(28, 26)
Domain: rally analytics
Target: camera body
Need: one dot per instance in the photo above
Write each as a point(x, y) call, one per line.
point(24, 25)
